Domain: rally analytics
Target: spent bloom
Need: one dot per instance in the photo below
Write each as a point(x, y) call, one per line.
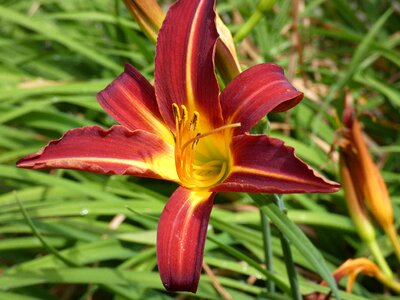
point(353, 267)
point(184, 130)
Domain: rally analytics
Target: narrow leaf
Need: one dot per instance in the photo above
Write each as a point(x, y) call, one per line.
point(298, 239)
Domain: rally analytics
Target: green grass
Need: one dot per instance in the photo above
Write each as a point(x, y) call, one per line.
point(56, 55)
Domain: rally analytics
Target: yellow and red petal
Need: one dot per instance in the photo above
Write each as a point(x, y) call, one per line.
point(148, 14)
point(131, 101)
point(256, 92)
point(265, 165)
point(114, 151)
point(226, 58)
point(184, 66)
point(181, 236)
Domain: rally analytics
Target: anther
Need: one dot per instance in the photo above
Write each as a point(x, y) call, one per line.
point(175, 111)
point(195, 141)
point(184, 114)
point(193, 123)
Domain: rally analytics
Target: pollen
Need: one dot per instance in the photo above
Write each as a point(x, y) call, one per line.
point(202, 159)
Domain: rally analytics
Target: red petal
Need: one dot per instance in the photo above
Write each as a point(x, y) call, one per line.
point(181, 237)
point(184, 67)
point(115, 151)
point(131, 101)
point(266, 165)
point(256, 92)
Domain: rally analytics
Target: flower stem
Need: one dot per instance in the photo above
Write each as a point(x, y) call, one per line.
point(266, 232)
point(392, 234)
point(389, 282)
point(380, 259)
point(262, 7)
point(287, 253)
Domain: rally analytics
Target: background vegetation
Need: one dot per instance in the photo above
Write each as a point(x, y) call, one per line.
point(56, 55)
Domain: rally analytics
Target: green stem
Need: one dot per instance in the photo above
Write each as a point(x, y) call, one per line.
point(392, 234)
point(287, 254)
point(266, 232)
point(389, 282)
point(255, 18)
point(281, 284)
point(380, 259)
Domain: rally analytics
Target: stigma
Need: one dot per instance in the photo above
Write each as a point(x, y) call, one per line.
point(201, 166)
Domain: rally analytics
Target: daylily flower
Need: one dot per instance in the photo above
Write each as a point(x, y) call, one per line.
point(186, 131)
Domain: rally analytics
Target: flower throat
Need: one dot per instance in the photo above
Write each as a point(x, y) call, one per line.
point(197, 171)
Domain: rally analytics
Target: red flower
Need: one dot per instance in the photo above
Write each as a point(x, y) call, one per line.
point(185, 130)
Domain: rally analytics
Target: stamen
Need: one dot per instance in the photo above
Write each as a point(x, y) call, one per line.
point(173, 135)
point(199, 136)
point(175, 111)
point(193, 123)
point(192, 172)
point(184, 115)
point(195, 141)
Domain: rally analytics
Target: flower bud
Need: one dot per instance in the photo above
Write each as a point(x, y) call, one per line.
point(358, 168)
point(364, 172)
point(354, 200)
point(374, 188)
point(150, 16)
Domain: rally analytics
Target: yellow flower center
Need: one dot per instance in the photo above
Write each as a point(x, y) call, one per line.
point(202, 160)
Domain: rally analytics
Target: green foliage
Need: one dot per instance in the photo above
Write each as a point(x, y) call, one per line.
point(55, 56)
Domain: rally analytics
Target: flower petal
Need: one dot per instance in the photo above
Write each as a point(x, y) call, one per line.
point(265, 165)
point(256, 92)
point(181, 236)
point(113, 151)
point(131, 101)
point(184, 67)
point(225, 55)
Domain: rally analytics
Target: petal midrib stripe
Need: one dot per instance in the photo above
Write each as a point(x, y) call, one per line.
point(189, 57)
point(129, 162)
point(263, 173)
